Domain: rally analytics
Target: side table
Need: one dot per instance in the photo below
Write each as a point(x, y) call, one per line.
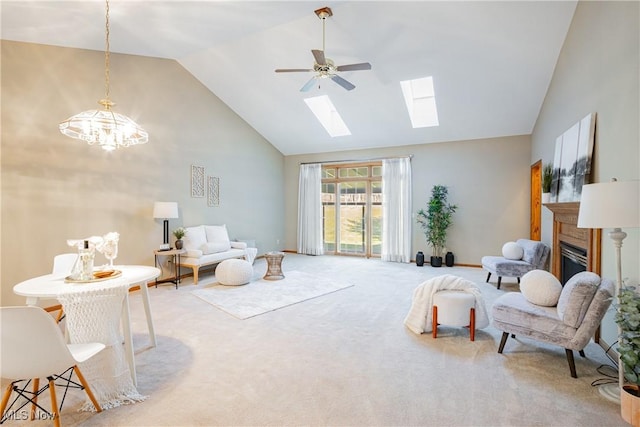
point(175, 253)
point(274, 266)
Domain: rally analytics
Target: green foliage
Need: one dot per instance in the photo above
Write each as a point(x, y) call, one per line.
point(437, 218)
point(179, 232)
point(628, 318)
point(547, 178)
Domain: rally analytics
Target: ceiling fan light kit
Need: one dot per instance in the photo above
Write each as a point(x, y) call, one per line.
point(323, 66)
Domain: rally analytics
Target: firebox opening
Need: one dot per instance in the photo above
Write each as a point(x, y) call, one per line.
point(573, 260)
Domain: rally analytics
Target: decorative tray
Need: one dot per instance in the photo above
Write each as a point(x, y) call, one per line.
point(98, 276)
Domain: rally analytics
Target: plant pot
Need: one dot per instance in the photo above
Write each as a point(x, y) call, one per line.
point(436, 261)
point(630, 404)
point(178, 244)
point(546, 198)
point(419, 259)
point(448, 259)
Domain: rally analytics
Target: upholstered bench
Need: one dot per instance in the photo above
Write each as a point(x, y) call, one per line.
point(234, 272)
point(454, 308)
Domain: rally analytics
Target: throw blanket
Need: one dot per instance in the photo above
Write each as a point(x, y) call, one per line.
point(420, 315)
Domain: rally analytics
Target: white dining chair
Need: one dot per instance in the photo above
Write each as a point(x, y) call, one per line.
point(25, 332)
point(63, 263)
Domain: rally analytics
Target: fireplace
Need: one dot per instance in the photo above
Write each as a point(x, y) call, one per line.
point(573, 260)
point(580, 246)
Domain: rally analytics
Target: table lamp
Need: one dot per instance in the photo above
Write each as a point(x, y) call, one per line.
point(165, 210)
point(611, 205)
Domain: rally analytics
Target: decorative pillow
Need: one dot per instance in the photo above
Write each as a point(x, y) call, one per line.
point(511, 250)
point(194, 238)
point(540, 287)
point(218, 234)
point(214, 247)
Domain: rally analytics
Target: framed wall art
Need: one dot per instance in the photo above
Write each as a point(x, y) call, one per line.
point(572, 160)
point(213, 191)
point(197, 181)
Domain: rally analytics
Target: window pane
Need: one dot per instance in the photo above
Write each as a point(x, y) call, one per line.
point(329, 217)
point(354, 172)
point(376, 171)
point(328, 172)
point(376, 218)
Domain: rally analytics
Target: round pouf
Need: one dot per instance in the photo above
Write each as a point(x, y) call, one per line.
point(234, 272)
point(454, 308)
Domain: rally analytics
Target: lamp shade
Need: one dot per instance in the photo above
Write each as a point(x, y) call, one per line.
point(165, 210)
point(610, 205)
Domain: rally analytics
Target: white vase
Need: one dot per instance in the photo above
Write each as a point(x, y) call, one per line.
point(546, 198)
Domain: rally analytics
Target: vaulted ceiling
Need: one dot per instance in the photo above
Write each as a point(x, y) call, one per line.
point(491, 62)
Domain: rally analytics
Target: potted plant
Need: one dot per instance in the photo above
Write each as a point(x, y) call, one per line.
point(179, 234)
point(628, 319)
point(547, 179)
point(436, 220)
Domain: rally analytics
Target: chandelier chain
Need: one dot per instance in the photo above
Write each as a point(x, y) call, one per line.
point(106, 54)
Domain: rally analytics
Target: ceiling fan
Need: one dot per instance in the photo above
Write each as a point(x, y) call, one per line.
point(325, 67)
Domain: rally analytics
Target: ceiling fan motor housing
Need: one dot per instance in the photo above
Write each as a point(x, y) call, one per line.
point(327, 69)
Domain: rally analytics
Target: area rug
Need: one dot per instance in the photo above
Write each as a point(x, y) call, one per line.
point(262, 296)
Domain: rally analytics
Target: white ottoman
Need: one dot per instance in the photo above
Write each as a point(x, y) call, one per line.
point(234, 272)
point(454, 308)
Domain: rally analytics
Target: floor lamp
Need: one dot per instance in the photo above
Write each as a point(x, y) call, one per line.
point(611, 205)
point(165, 210)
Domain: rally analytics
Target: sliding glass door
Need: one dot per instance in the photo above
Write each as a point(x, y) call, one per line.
point(352, 209)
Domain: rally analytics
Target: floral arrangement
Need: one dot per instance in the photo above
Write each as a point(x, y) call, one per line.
point(179, 232)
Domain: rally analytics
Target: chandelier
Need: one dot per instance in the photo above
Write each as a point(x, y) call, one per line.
point(105, 127)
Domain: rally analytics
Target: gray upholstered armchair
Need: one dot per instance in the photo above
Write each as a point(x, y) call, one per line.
point(583, 303)
point(534, 257)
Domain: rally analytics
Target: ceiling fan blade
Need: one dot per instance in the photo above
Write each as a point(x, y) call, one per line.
point(342, 82)
point(292, 70)
point(319, 57)
point(308, 84)
point(354, 67)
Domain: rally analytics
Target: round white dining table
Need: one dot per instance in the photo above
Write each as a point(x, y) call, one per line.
point(53, 285)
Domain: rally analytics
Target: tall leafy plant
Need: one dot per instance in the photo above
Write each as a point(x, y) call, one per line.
point(437, 218)
point(547, 177)
point(628, 318)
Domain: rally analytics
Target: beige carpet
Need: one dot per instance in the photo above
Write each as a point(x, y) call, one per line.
point(344, 359)
point(262, 296)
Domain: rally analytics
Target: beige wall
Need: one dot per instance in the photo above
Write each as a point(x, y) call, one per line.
point(55, 188)
point(488, 179)
point(598, 71)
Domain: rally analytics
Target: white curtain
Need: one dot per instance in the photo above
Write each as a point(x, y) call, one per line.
point(310, 210)
point(396, 210)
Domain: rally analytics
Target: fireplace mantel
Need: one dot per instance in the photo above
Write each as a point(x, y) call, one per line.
point(565, 220)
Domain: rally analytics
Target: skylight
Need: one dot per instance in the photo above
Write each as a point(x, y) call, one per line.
point(421, 102)
point(328, 116)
